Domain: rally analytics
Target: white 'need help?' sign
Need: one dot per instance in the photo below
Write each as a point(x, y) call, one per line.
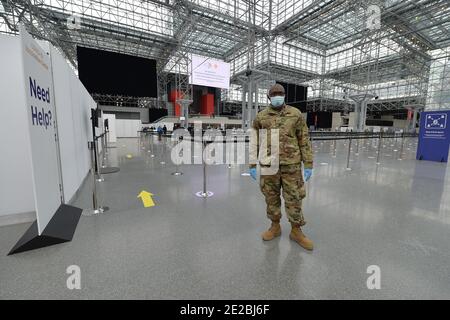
point(40, 123)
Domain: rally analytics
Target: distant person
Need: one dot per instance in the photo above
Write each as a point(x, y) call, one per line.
point(160, 132)
point(164, 130)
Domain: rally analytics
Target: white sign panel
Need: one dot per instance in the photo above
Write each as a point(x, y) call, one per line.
point(40, 123)
point(209, 72)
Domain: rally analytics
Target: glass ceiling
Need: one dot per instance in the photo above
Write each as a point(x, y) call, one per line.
point(297, 39)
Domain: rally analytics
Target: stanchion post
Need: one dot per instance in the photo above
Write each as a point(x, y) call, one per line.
point(204, 177)
point(239, 139)
point(401, 147)
point(104, 151)
point(94, 145)
point(96, 209)
point(99, 176)
point(334, 147)
point(106, 141)
point(163, 155)
point(151, 145)
point(357, 147)
point(379, 147)
point(94, 195)
point(164, 144)
point(348, 154)
point(204, 193)
point(177, 172)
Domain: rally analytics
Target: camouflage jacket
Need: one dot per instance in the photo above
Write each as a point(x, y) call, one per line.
point(294, 143)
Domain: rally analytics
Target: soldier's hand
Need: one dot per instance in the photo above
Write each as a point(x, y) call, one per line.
point(253, 173)
point(308, 174)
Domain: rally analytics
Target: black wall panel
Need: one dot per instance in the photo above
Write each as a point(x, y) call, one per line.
point(381, 123)
point(156, 113)
point(295, 95)
point(291, 93)
point(320, 119)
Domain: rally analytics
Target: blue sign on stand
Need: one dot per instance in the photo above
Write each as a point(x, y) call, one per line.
point(434, 136)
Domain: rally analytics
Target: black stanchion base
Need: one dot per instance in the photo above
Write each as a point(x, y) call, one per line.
point(108, 170)
point(60, 229)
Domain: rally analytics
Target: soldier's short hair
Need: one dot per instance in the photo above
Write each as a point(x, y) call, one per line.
point(276, 88)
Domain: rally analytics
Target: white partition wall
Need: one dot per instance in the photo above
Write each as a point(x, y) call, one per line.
point(72, 105)
point(127, 128)
point(352, 119)
point(64, 117)
point(336, 121)
point(16, 185)
point(112, 135)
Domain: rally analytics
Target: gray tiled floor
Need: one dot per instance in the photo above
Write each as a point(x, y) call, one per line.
point(395, 215)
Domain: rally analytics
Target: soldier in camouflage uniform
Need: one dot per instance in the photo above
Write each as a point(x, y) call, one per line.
point(294, 149)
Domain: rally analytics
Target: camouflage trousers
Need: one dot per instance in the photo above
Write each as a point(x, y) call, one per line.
point(289, 178)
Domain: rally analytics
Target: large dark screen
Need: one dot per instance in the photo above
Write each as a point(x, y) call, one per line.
point(118, 74)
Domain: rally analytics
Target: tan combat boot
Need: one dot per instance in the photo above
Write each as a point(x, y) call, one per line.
point(273, 232)
point(298, 236)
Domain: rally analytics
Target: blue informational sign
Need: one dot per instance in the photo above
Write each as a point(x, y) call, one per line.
point(434, 136)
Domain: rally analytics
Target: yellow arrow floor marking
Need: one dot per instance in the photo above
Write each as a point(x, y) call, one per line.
point(146, 198)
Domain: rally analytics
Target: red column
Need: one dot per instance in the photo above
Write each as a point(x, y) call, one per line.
point(207, 104)
point(410, 114)
point(173, 97)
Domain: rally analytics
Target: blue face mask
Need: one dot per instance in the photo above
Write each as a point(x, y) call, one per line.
point(277, 101)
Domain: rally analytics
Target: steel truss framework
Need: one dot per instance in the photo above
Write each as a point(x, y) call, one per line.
point(328, 45)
